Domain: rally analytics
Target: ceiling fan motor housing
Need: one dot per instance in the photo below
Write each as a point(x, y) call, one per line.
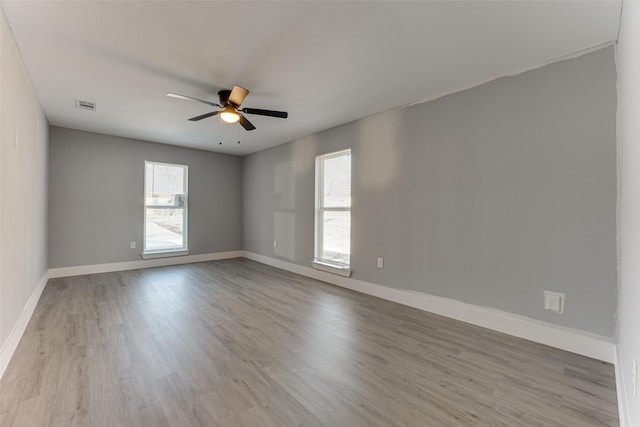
point(224, 96)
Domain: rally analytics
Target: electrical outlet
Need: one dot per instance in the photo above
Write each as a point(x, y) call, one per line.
point(275, 244)
point(380, 262)
point(634, 377)
point(132, 244)
point(554, 301)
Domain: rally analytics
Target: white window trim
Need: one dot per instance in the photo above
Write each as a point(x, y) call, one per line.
point(330, 267)
point(171, 252)
point(164, 254)
point(319, 263)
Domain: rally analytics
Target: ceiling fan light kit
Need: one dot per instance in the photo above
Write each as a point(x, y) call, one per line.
point(229, 115)
point(230, 101)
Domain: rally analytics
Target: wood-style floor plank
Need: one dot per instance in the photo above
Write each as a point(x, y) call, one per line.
point(237, 343)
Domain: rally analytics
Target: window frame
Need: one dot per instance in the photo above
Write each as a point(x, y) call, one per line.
point(174, 251)
point(318, 262)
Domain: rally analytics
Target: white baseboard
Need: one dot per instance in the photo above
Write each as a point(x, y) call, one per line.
point(573, 340)
point(10, 345)
point(623, 411)
point(143, 263)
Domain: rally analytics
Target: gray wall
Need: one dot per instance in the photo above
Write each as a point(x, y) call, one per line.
point(96, 197)
point(23, 188)
point(629, 231)
point(487, 196)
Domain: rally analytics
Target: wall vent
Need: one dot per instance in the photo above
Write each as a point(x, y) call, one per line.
point(85, 105)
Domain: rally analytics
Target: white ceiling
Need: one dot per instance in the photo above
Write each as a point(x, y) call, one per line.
point(326, 63)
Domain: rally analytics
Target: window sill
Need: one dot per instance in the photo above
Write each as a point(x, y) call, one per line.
point(164, 254)
point(329, 267)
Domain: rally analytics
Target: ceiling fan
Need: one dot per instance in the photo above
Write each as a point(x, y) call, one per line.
point(230, 101)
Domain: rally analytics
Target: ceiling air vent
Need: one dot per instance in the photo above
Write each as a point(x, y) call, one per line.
point(85, 105)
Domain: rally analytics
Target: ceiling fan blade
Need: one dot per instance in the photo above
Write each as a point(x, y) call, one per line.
point(191, 98)
point(237, 95)
point(204, 116)
point(270, 113)
point(246, 124)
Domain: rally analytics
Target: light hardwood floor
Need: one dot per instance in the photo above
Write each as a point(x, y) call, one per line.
point(237, 343)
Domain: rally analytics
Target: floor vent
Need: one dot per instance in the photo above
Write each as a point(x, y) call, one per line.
point(85, 105)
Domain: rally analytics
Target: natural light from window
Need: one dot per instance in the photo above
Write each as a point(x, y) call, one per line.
point(165, 212)
point(333, 208)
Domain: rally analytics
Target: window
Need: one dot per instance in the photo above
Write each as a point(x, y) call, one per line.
point(165, 208)
point(333, 213)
